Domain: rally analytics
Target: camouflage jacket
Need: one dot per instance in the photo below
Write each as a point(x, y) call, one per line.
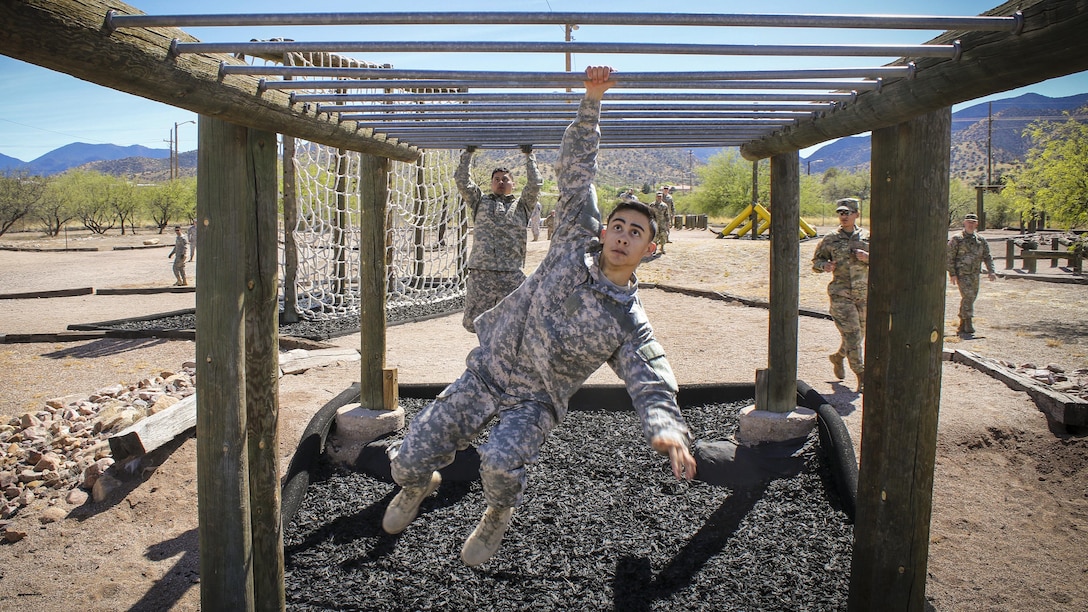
point(181, 248)
point(499, 221)
point(967, 253)
point(547, 337)
point(850, 278)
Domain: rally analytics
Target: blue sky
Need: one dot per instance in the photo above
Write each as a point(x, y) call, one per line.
point(42, 110)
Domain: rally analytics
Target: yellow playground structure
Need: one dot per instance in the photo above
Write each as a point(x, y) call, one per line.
point(742, 223)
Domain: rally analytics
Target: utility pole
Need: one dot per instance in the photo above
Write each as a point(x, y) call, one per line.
point(170, 140)
point(175, 163)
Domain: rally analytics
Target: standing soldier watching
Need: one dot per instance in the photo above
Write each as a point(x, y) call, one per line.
point(845, 254)
point(498, 244)
point(661, 210)
point(967, 251)
point(666, 194)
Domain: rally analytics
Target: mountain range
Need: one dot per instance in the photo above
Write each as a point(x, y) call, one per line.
point(998, 125)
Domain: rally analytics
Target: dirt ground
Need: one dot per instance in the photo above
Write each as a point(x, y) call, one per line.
point(1010, 516)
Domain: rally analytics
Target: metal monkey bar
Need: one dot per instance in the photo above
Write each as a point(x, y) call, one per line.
point(453, 108)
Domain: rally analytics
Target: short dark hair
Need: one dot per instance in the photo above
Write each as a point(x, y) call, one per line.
point(640, 208)
point(502, 169)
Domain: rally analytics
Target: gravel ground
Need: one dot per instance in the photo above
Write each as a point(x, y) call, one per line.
point(604, 526)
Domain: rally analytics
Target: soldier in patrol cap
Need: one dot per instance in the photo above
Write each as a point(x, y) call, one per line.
point(498, 243)
point(661, 209)
point(845, 254)
point(579, 309)
point(967, 251)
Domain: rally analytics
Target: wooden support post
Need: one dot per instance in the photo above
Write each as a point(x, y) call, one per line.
point(290, 220)
point(903, 344)
point(262, 372)
point(1010, 254)
point(225, 186)
point(755, 199)
point(785, 251)
point(374, 197)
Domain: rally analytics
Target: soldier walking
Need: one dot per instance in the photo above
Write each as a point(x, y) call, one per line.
point(967, 251)
point(180, 250)
point(845, 254)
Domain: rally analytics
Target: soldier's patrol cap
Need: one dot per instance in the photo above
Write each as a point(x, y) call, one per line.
point(970, 217)
point(850, 204)
point(660, 194)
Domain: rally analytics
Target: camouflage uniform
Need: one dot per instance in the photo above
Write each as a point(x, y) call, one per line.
point(672, 213)
point(180, 250)
point(661, 210)
point(966, 254)
point(498, 245)
point(534, 222)
point(848, 290)
point(541, 343)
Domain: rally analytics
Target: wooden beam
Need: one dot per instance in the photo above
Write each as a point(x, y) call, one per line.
point(904, 335)
point(262, 370)
point(1052, 44)
point(785, 291)
point(69, 36)
point(374, 197)
point(226, 183)
point(150, 433)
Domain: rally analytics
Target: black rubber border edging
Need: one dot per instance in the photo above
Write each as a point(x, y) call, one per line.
point(836, 439)
point(833, 433)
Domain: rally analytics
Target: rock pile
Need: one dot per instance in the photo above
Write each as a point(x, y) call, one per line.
point(1073, 383)
point(61, 452)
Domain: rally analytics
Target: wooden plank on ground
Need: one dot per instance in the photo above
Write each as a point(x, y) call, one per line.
point(150, 433)
point(300, 360)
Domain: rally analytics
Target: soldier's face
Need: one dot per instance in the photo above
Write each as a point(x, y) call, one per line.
point(970, 226)
point(502, 183)
point(627, 239)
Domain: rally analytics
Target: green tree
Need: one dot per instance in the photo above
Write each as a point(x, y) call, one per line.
point(121, 195)
point(57, 207)
point(20, 195)
point(838, 184)
point(90, 195)
point(1055, 175)
point(962, 199)
point(173, 200)
point(725, 185)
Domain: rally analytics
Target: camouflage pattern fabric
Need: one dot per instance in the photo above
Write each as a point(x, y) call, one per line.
point(484, 289)
point(848, 289)
point(965, 257)
point(541, 343)
point(179, 252)
point(499, 222)
point(661, 210)
point(849, 317)
point(672, 213)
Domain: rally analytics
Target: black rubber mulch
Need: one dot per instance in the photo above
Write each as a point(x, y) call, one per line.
point(604, 526)
point(317, 329)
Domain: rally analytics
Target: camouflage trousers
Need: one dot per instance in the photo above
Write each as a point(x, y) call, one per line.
point(453, 421)
point(849, 316)
point(968, 286)
point(179, 268)
point(484, 289)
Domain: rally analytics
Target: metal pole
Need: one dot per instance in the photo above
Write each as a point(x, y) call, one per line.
point(880, 22)
point(379, 47)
